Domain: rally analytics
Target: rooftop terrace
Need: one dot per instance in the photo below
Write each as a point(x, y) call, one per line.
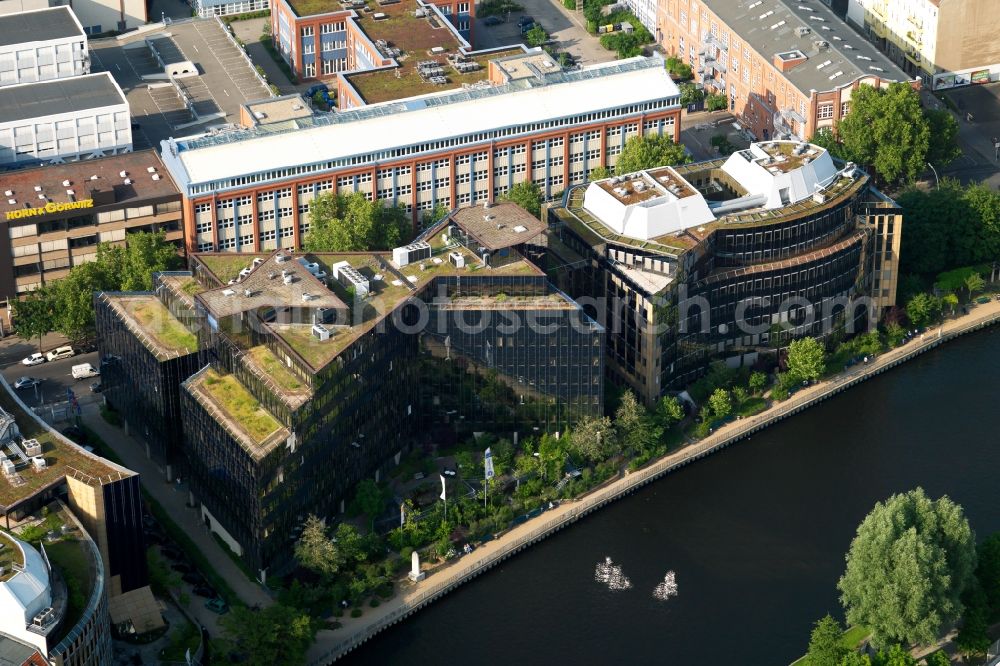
point(314, 7)
point(10, 556)
point(159, 330)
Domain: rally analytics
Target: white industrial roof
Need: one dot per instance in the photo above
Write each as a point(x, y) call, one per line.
point(27, 592)
point(773, 174)
point(421, 122)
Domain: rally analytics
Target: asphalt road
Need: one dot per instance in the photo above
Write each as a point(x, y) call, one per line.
point(56, 377)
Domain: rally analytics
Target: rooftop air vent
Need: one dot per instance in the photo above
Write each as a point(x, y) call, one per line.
point(150, 169)
point(228, 292)
point(38, 188)
point(66, 183)
point(802, 31)
point(8, 193)
point(123, 173)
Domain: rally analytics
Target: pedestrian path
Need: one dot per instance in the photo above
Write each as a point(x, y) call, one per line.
point(411, 597)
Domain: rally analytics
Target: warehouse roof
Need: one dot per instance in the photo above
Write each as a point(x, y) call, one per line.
point(40, 25)
point(431, 118)
point(58, 96)
point(835, 54)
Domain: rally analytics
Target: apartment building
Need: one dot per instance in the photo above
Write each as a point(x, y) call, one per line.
point(786, 68)
point(319, 39)
point(946, 43)
point(63, 120)
point(41, 45)
point(726, 260)
point(95, 16)
point(56, 215)
point(249, 190)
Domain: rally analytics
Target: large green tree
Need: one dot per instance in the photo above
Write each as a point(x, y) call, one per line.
point(923, 309)
point(943, 147)
point(826, 643)
point(806, 359)
point(636, 430)
point(277, 634)
point(594, 439)
point(646, 152)
point(34, 315)
point(907, 568)
point(886, 131)
point(527, 195)
point(315, 550)
point(369, 499)
point(351, 223)
point(691, 94)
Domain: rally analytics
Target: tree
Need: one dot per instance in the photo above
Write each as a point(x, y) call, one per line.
point(636, 430)
point(669, 411)
point(131, 267)
point(826, 644)
point(951, 300)
point(594, 438)
point(34, 315)
point(923, 309)
point(806, 359)
point(599, 173)
point(551, 456)
point(757, 382)
point(943, 148)
point(350, 223)
point(907, 568)
point(887, 131)
point(825, 138)
point(720, 403)
point(895, 656)
point(536, 36)
point(646, 152)
point(678, 68)
point(432, 216)
point(691, 94)
point(972, 638)
point(974, 283)
point(369, 499)
point(276, 634)
point(527, 195)
point(988, 572)
point(716, 102)
point(315, 550)
point(939, 658)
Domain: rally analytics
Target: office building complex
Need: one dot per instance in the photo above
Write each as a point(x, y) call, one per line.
point(56, 216)
point(726, 259)
point(249, 190)
point(944, 42)
point(786, 68)
point(95, 16)
point(320, 370)
point(41, 45)
point(63, 120)
point(319, 39)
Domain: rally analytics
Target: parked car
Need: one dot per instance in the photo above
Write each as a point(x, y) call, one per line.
point(205, 591)
point(26, 382)
point(492, 20)
point(77, 435)
point(194, 578)
point(60, 352)
point(34, 359)
point(525, 21)
point(84, 371)
point(109, 359)
point(217, 605)
point(96, 387)
point(449, 472)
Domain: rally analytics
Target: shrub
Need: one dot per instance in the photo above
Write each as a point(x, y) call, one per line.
point(374, 603)
point(716, 102)
point(356, 612)
point(569, 4)
point(111, 416)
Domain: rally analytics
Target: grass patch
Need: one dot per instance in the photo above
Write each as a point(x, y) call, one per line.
point(265, 41)
point(72, 561)
point(850, 640)
point(242, 407)
point(275, 369)
point(227, 267)
point(752, 406)
point(156, 320)
point(192, 287)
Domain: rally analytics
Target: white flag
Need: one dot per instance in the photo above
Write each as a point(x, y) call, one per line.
point(402, 515)
point(444, 491)
point(488, 461)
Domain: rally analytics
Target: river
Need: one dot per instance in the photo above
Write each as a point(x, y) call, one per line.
point(756, 534)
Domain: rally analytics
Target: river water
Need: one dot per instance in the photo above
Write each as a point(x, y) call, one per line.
point(756, 534)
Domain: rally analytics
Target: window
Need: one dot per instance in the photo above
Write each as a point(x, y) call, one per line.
point(203, 227)
point(844, 108)
point(824, 111)
point(309, 69)
point(206, 247)
point(307, 31)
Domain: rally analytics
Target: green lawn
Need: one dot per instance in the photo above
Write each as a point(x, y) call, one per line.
point(275, 369)
point(227, 267)
point(752, 406)
point(242, 407)
point(72, 561)
point(157, 320)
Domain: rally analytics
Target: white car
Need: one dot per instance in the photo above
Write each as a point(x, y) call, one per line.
point(60, 352)
point(26, 382)
point(34, 359)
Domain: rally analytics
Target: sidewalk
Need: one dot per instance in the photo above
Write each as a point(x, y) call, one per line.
point(174, 502)
point(411, 597)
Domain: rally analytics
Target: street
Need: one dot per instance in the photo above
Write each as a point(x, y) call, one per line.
point(56, 379)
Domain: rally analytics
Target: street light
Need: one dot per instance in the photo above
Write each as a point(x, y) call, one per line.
point(937, 181)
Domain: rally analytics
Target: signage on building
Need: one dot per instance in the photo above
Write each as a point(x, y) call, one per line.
point(49, 208)
point(980, 76)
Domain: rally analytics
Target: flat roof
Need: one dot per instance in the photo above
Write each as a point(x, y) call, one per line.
point(501, 225)
point(279, 109)
point(40, 25)
point(81, 177)
point(161, 332)
point(432, 118)
point(770, 28)
point(268, 288)
point(48, 98)
point(527, 65)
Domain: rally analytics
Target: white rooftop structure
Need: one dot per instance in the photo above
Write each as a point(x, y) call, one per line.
point(655, 202)
point(25, 595)
point(381, 132)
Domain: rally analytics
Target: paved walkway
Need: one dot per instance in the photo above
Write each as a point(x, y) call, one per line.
point(411, 597)
point(173, 499)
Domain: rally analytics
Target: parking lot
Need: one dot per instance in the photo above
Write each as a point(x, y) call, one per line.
point(565, 27)
point(56, 379)
point(225, 81)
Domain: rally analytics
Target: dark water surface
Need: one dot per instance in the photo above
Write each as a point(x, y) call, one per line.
point(755, 534)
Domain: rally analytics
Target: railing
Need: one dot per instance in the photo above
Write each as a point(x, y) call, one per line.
point(631, 482)
point(253, 67)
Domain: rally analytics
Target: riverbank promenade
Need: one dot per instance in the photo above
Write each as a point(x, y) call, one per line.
point(411, 597)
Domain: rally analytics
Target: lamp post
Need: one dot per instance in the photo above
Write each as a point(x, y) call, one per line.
point(937, 181)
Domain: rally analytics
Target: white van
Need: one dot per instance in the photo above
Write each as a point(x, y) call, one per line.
point(85, 370)
point(60, 352)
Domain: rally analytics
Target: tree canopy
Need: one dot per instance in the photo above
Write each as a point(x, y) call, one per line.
point(907, 568)
point(923, 309)
point(594, 438)
point(67, 305)
point(826, 644)
point(351, 223)
point(315, 550)
point(636, 429)
point(277, 634)
point(806, 359)
point(527, 195)
point(646, 152)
